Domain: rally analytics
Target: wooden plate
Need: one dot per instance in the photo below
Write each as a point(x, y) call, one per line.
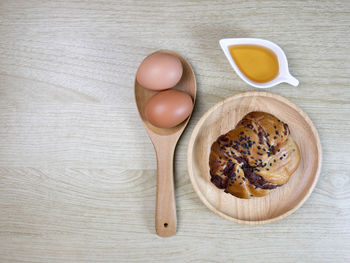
point(282, 201)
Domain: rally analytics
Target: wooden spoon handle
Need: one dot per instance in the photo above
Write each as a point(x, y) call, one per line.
point(165, 219)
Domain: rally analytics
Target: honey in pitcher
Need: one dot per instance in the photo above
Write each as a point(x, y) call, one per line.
point(257, 63)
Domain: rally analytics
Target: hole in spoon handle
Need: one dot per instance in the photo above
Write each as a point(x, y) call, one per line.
point(165, 218)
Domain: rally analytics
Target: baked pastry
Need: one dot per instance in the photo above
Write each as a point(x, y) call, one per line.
point(256, 157)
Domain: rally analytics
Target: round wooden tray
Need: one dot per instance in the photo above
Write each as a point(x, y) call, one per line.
point(282, 201)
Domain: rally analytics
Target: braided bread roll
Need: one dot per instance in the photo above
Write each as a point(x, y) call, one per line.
point(257, 156)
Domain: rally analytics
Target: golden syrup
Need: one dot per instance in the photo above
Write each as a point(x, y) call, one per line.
point(257, 63)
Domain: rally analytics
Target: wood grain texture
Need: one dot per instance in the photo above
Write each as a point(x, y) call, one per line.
point(77, 170)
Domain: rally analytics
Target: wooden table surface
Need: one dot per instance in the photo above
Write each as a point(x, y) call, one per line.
point(77, 170)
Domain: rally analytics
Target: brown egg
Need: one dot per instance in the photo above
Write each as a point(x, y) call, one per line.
point(168, 108)
point(159, 71)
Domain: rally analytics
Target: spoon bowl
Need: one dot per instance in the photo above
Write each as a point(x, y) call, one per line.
point(164, 141)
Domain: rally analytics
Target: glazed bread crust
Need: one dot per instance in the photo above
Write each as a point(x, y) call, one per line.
point(256, 157)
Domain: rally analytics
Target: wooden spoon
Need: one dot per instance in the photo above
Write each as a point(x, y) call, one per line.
point(164, 142)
